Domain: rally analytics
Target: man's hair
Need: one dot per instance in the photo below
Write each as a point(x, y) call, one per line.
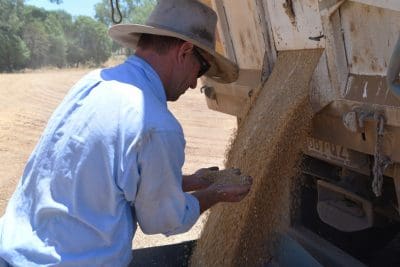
point(160, 44)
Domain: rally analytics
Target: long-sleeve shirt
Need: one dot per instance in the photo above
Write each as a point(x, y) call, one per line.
point(110, 157)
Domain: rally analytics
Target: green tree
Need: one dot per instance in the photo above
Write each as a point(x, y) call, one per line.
point(57, 43)
point(57, 51)
point(33, 37)
point(37, 40)
point(103, 12)
point(92, 37)
point(140, 10)
point(75, 54)
point(65, 20)
point(132, 11)
point(44, 34)
point(11, 12)
point(13, 51)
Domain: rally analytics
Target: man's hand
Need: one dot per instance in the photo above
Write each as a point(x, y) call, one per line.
point(228, 176)
point(196, 181)
point(218, 192)
point(231, 193)
point(200, 173)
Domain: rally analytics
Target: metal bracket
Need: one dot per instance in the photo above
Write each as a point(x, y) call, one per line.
point(354, 121)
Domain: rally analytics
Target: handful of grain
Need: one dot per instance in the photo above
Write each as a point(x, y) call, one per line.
point(229, 176)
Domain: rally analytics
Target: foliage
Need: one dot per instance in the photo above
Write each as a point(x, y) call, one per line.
point(140, 10)
point(13, 51)
point(37, 41)
point(103, 12)
point(91, 36)
point(132, 11)
point(32, 37)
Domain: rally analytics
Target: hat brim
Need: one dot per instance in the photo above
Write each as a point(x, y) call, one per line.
point(222, 70)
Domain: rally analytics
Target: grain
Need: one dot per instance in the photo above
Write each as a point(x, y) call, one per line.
point(229, 176)
point(268, 147)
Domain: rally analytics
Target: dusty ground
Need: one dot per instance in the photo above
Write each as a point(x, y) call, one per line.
point(27, 101)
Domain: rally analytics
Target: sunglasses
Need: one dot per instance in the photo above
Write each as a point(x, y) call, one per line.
point(204, 65)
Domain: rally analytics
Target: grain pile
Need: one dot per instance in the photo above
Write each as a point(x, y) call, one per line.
point(267, 146)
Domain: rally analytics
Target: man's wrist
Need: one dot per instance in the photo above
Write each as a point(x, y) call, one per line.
point(207, 198)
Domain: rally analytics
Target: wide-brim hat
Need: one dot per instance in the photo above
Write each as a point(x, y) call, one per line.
point(188, 20)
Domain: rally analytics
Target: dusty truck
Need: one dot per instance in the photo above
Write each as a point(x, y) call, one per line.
point(350, 195)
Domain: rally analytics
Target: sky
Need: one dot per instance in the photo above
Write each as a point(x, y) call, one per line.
point(73, 7)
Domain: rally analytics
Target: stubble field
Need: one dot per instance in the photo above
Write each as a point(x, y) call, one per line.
point(27, 100)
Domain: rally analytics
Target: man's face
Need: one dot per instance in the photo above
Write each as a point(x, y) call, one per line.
point(186, 74)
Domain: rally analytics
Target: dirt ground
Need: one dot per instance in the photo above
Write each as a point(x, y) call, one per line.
point(28, 99)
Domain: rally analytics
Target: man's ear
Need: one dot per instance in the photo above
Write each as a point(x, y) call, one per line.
point(184, 50)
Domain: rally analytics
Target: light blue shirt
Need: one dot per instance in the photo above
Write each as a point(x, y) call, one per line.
point(111, 145)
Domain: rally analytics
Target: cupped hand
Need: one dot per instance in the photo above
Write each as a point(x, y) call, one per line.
point(231, 192)
point(204, 172)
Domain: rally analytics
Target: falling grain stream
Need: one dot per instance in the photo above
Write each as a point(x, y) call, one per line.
point(268, 147)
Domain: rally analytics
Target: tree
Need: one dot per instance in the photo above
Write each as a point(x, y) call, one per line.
point(34, 37)
point(92, 37)
point(13, 51)
point(103, 12)
point(140, 10)
point(57, 55)
point(37, 41)
point(75, 54)
point(65, 20)
point(57, 43)
point(45, 37)
point(132, 11)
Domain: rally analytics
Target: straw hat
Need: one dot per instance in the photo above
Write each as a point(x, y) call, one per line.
point(188, 20)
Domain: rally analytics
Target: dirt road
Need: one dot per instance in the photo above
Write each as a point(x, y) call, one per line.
point(27, 101)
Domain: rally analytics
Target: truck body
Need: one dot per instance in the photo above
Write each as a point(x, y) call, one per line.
point(350, 198)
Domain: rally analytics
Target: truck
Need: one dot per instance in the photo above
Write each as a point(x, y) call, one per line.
point(349, 212)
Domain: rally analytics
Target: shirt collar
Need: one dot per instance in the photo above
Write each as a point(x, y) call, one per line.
point(151, 75)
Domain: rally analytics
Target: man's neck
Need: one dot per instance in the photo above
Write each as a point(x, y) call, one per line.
point(158, 63)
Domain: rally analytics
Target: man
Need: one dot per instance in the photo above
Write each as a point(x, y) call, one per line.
point(111, 154)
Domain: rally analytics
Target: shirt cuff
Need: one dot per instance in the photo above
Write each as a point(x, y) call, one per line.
point(192, 214)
